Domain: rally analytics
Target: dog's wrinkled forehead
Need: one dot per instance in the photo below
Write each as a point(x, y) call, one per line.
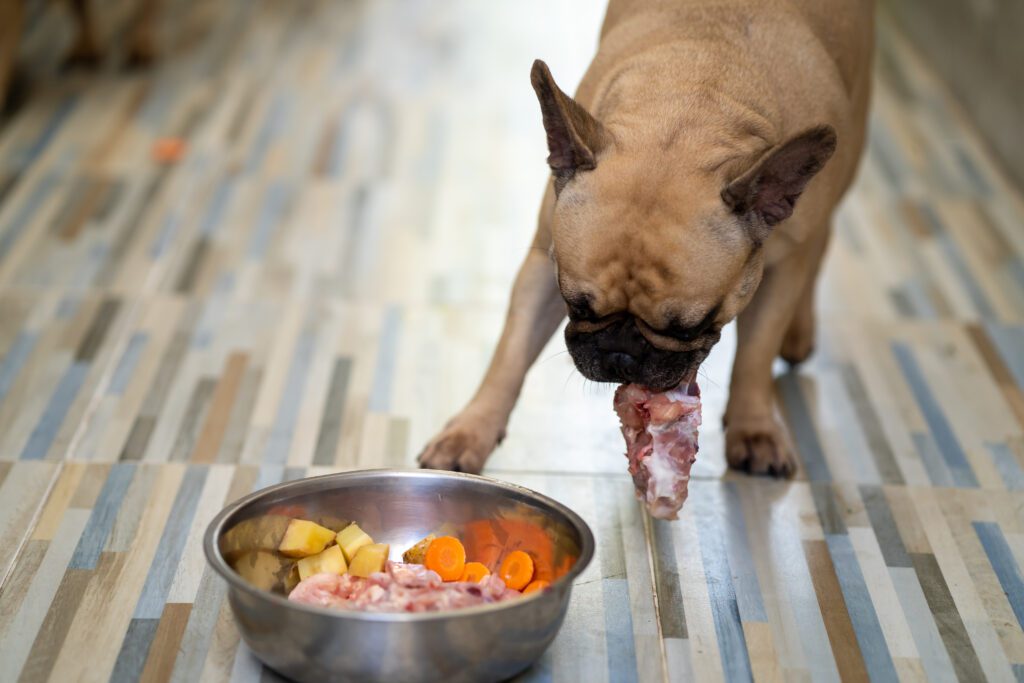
point(668, 257)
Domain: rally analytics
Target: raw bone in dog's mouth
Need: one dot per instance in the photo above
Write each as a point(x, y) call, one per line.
point(660, 429)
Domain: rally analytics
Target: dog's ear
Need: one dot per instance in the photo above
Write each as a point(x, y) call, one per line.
point(770, 188)
point(574, 136)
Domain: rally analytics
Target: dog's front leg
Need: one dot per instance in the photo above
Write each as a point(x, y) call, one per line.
point(534, 313)
point(142, 49)
point(85, 51)
point(756, 438)
point(11, 16)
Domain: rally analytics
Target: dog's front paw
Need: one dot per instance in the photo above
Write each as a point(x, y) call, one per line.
point(463, 445)
point(759, 445)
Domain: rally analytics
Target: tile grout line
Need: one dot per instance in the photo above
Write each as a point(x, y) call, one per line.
point(33, 521)
point(649, 540)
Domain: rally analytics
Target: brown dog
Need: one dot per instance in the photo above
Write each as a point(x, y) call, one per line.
point(673, 207)
point(85, 50)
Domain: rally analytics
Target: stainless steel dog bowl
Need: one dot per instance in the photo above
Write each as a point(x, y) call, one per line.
point(486, 643)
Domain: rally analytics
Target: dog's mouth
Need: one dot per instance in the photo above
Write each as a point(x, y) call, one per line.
point(620, 353)
point(688, 384)
point(656, 380)
point(658, 372)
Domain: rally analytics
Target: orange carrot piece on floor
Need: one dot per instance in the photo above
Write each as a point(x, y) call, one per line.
point(168, 150)
point(538, 585)
point(516, 569)
point(447, 557)
point(475, 572)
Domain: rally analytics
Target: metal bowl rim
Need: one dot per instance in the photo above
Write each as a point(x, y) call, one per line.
point(220, 565)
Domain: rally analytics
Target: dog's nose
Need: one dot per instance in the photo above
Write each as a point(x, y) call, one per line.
point(618, 364)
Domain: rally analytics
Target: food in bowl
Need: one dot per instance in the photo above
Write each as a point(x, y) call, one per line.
point(434, 577)
point(400, 587)
point(352, 539)
point(660, 429)
point(329, 561)
point(417, 554)
point(303, 538)
point(315, 562)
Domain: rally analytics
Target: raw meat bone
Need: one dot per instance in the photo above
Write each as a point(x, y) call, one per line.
point(660, 429)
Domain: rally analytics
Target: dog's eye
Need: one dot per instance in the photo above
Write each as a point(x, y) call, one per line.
point(687, 335)
point(581, 310)
point(690, 333)
point(684, 334)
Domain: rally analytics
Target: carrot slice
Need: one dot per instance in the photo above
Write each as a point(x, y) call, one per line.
point(475, 572)
point(516, 569)
point(447, 557)
point(538, 585)
point(525, 535)
point(488, 541)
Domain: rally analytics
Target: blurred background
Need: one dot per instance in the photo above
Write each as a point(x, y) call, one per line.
point(976, 50)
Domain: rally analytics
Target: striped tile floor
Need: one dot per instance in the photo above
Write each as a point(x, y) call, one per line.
point(317, 285)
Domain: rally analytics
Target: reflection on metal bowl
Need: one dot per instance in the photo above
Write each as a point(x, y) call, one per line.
point(486, 643)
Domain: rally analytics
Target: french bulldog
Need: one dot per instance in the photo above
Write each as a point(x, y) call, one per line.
point(85, 51)
point(694, 179)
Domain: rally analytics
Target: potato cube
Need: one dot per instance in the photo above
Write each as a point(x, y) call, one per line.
point(330, 561)
point(418, 553)
point(351, 539)
point(369, 559)
point(303, 538)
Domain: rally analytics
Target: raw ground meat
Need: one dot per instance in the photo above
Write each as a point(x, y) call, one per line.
point(400, 588)
point(661, 443)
